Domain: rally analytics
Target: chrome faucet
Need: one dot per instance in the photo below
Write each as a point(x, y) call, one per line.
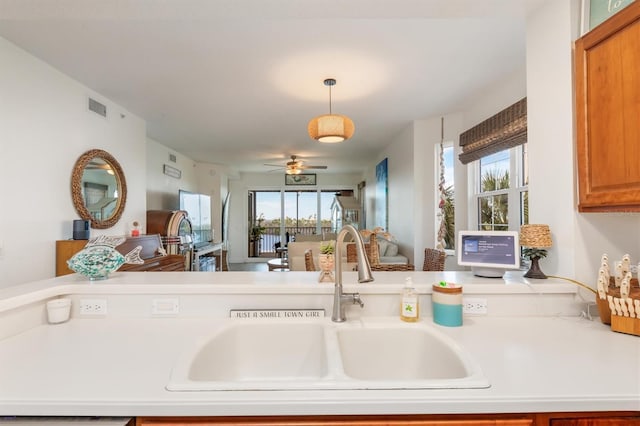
point(364, 274)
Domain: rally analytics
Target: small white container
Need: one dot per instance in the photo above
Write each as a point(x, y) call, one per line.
point(58, 310)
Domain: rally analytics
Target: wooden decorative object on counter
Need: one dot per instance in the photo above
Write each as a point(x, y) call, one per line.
point(625, 325)
point(614, 292)
point(619, 300)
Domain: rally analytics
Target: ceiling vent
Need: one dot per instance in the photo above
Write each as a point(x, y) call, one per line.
point(97, 107)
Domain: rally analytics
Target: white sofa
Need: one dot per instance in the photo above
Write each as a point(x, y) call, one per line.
point(388, 254)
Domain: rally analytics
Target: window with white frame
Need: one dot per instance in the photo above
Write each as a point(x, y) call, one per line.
point(501, 190)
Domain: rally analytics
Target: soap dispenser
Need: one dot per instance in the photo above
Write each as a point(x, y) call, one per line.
point(409, 305)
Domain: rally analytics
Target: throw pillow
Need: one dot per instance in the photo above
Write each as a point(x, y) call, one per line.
point(392, 249)
point(382, 247)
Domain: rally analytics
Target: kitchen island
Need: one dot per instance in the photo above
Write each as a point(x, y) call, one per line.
point(537, 351)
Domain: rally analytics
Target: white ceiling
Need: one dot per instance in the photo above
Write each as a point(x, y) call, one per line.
point(235, 82)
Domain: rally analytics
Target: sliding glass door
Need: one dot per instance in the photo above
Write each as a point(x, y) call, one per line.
point(277, 216)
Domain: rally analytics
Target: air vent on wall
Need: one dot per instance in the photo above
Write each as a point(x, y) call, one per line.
point(97, 107)
point(172, 158)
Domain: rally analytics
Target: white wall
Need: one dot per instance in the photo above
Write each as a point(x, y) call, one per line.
point(203, 178)
point(579, 238)
point(413, 167)
point(550, 129)
point(213, 180)
point(239, 208)
point(401, 191)
point(427, 136)
point(45, 126)
point(162, 190)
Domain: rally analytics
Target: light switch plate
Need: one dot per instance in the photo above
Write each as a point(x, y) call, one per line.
point(169, 306)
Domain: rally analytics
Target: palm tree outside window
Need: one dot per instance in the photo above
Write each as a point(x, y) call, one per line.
point(501, 182)
point(447, 210)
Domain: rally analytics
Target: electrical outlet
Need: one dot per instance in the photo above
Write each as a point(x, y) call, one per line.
point(634, 268)
point(474, 305)
point(93, 307)
point(165, 307)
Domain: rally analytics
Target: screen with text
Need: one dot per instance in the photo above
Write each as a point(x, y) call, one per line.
point(489, 249)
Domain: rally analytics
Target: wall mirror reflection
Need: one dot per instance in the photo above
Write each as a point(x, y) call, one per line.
point(98, 188)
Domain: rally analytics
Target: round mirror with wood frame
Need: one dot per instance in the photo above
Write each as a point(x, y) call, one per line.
point(98, 188)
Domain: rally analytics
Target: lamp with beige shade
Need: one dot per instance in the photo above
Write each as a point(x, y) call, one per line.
point(535, 238)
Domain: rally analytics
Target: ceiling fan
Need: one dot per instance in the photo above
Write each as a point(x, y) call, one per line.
point(295, 166)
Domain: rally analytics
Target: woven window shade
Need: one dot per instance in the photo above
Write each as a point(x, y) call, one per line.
point(506, 129)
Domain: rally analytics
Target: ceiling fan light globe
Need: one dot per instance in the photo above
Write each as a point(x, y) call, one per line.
point(331, 128)
point(293, 168)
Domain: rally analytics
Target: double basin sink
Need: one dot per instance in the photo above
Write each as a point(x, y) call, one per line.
point(319, 354)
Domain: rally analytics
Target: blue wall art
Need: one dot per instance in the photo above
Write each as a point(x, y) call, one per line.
point(382, 195)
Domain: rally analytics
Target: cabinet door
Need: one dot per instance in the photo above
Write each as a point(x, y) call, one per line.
point(65, 249)
point(602, 421)
point(608, 114)
point(283, 421)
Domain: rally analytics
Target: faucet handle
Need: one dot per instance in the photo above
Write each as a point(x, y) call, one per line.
point(357, 299)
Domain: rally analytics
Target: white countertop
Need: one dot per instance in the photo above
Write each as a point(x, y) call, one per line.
point(119, 365)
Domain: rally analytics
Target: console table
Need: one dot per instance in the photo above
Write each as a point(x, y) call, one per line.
point(215, 250)
point(153, 260)
point(65, 249)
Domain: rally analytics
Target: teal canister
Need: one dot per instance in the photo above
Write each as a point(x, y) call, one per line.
point(447, 304)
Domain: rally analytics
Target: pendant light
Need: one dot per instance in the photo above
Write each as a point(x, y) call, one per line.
point(330, 128)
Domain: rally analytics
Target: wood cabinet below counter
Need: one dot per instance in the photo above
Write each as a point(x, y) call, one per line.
point(531, 419)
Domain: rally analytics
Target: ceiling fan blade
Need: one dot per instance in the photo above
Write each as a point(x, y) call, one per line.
point(293, 165)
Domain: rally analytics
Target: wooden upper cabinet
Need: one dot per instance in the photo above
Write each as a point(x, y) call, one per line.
point(607, 62)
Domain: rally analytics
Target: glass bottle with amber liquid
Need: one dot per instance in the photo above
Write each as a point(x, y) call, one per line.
point(409, 304)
